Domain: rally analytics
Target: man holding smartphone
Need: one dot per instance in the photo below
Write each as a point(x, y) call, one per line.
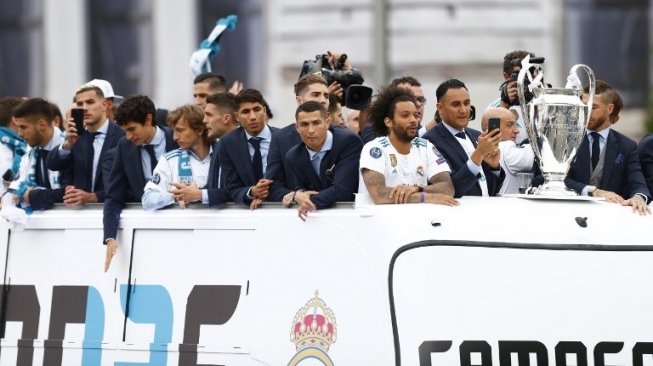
point(84, 149)
point(472, 156)
point(514, 159)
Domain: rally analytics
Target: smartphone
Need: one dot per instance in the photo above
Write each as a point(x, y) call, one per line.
point(78, 117)
point(493, 124)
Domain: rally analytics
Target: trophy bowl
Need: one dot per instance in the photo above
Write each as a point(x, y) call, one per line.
point(556, 120)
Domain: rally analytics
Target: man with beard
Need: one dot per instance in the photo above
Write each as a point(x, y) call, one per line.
point(398, 166)
point(607, 164)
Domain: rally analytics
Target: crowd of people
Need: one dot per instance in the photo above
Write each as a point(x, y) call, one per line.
point(221, 149)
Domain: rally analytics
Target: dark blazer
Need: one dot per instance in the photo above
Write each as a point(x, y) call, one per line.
point(126, 180)
point(236, 164)
point(622, 172)
point(78, 160)
point(464, 181)
point(278, 170)
point(43, 199)
point(338, 179)
point(645, 151)
point(215, 184)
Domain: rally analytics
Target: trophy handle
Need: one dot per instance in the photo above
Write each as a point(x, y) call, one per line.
point(525, 110)
point(592, 89)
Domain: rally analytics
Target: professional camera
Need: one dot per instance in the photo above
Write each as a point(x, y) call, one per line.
point(355, 95)
point(516, 63)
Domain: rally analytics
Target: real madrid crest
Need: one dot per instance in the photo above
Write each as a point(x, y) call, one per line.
point(313, 331)
point(393, 160)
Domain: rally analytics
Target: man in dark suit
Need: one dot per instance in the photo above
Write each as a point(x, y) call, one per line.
point(607, 164)
point(243, 152)
point(325, 163)
point(220, 119)
point(309, 87)
point(84, 151)
point(37, 188)
point(472, 156)
point(130, 164)
point(645, 151)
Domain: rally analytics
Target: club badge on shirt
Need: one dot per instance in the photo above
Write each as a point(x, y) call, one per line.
point(393, 160)
point(156, 178)
point(375, 152)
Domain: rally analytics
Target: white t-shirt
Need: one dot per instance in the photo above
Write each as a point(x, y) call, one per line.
point(6, 162)
point(423, 162)
point(157, 190)
point(514, 159)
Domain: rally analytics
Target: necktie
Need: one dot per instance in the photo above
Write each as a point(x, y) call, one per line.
point(91, 155)
point(461, 135)
point(596, 148)
point(315, 161)
point(152, 154)
point(38, 169)
point(43, 157)
point(257, 160)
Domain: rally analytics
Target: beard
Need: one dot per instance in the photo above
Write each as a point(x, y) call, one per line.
point(402, 134)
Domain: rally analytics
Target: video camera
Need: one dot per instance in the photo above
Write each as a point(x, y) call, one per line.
point(355, 95)
point(513, 77)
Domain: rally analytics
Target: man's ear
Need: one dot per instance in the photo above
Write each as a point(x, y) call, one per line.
point(149, 120)
point(387, 122)
point(610, 108)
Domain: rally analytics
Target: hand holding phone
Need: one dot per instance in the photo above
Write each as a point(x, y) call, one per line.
point(493, 124)
point(78, 116)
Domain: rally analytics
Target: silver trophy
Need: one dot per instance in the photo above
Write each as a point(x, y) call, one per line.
point(555, 119)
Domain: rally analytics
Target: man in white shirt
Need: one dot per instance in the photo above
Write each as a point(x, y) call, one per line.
point(180, 172)
point(398, 166)
point(514, 159)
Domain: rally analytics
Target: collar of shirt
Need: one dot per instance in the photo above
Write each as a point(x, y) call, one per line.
point(328, 143)
point(159, 137)
point(603, 133)
point(104, 128)
point(195, 157)
point(265, 134)
point(452, 130)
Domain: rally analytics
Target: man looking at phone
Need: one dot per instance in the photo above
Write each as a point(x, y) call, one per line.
point(514, 159)
point(85, 147)
point(37, 188)
point(472, 156)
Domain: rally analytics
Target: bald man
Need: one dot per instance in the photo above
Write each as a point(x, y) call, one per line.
point(514, 159)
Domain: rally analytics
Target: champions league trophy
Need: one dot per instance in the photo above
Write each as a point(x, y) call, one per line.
point(555, 119)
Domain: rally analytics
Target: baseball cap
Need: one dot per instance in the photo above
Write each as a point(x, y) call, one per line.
point(106, 88)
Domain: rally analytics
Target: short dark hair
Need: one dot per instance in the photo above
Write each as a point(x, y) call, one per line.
point(216, 82)
point(253, 96)
point(135, 108)
point(609, 94)
point(33, 109)
point(333, 102)
point(227, 102)
point(307, 80)
point(311, 106)
point(56, 112)
point(89, 87)
point(7, 104)
point(405, 80)
point(512, 56)
point(444, 87)
point(384, 107)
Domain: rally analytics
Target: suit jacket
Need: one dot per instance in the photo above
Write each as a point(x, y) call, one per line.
point(338, 179)
point(278, 169)
point(78, 160)
point(43, 199)
point(215, 184)
point(622, 172)
point(464, 181)
point(126, 179)
point(645, 151)
point(236, 164)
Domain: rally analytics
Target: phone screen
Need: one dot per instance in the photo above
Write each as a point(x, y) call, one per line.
point(78, 117)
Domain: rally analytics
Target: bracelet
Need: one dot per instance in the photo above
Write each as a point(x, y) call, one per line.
point(421, 197)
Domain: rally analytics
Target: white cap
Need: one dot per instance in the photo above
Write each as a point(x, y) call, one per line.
point(106, 88)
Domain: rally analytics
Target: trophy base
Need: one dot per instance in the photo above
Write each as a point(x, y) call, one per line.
point(554, 198)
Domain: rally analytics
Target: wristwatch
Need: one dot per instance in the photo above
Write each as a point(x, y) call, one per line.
point(591, 190)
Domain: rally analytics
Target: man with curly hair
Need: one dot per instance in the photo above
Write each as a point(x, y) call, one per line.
point(398, 166)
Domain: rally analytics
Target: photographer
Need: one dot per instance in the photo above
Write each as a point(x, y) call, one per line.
point(508, 97)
